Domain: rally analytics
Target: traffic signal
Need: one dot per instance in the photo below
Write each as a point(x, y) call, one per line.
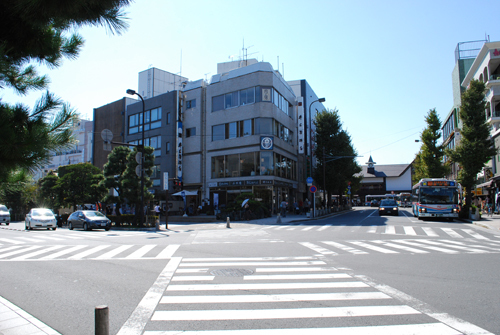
point(177, 185)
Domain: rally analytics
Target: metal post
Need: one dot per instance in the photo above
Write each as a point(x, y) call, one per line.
point(102, 320)
point(228, 223)
point(132, 92)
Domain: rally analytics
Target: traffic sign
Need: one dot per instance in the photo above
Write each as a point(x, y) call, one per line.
point(313, 189)
point(309, 181)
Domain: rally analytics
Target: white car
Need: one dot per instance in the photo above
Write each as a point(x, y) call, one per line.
point(4, 215)
point(40, 218)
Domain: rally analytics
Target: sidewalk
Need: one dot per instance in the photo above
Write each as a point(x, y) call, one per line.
point(490, 222)
point(15, 321)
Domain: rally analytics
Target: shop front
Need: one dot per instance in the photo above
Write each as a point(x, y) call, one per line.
point(269, 192)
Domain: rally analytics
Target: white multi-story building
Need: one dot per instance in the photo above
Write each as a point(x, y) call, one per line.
point(486, 68)
point(81, 151)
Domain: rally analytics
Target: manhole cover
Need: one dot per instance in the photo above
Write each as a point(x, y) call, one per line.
point(231, 272)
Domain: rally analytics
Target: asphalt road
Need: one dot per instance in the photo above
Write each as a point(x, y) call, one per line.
point(357, 272)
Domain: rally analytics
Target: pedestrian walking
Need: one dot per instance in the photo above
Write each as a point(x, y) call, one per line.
point(158, 211)
point(283, 208)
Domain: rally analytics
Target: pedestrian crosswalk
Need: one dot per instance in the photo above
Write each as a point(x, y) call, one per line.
point(86, 252)
point(275, 295)
point(397, 246)
point(64, 235)
point(24, 252)
point(384, 230)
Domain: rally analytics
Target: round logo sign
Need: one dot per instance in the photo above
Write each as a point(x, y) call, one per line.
point(313, 189)
point(266, 143)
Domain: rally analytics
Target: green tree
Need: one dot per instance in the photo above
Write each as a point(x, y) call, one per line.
point(335, 154)
point(79, 184)
point(131, 182)
point(419, 169)
point(49, 196)
point(476, 147)
point(28, 138)
point(431, 153)
point(17, 192)
point(120, 175)
point(113, 174)
point(42, 31)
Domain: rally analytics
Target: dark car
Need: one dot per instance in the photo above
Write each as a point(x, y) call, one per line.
point(88, 220)
point(388, 207)
point(374, 203)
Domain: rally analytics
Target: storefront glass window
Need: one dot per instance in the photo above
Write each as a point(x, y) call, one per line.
point(266, 163)
point(233, 166)
point(247, 161)
point(218, 167)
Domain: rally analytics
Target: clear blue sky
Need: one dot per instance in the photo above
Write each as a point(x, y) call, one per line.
point(382, 64)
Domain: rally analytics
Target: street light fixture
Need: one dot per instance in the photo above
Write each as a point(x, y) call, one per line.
point(132, 92)
point(306, 145)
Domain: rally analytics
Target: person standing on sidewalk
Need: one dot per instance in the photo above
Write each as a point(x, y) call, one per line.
point(283, 208)
point(158, 212)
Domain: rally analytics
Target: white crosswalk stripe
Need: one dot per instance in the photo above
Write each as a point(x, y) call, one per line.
point(417, 246)
point(80, 252)
point(295, 296)
point(387, 230)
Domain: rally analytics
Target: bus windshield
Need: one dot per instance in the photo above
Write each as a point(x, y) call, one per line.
point(438, 195)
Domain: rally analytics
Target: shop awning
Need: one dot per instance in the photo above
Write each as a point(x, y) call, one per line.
point(488, 184)
point(186, 192)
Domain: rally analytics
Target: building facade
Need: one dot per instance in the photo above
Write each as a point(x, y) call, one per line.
point(80, 152)
point(486, 68)
point(248, 130)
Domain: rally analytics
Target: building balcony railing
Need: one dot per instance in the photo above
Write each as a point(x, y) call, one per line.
point(495, 77)
point(493, 116)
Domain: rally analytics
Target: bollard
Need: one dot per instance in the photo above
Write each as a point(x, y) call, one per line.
point(228, 224)
point(102, 320)
point(278, 220)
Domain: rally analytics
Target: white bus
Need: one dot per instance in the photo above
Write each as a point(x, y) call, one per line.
point(436, 198)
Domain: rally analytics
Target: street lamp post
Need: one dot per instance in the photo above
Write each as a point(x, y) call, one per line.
point(132, 92)
point(305, 129)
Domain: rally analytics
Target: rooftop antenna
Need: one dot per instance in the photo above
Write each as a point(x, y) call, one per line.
point(206, 75)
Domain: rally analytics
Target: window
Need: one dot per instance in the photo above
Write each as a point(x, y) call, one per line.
point(232, 130)
point(218, 103)
point(190, 132)
point(155, 143)
point(247, 96)
point(247, 164)
point(247, 127)
point(218, 132)
point(168, 118)
point(152, 120)
point(191, 104)
point(266, 163)
point(231, 100)
point(168, 147)
point(218, 167)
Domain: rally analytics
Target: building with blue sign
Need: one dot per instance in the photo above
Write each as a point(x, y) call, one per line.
point(246, 131)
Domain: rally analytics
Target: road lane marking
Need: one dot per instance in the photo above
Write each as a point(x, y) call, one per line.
point(142, 313)
point(413, 329)
point(219, 299)
point(269, 286)
point(345, 248)
point(317, 248)
point(368, 246)
point(263, 314)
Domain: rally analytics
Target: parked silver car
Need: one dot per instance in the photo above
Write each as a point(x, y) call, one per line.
point(4, 215)
point(40, 218)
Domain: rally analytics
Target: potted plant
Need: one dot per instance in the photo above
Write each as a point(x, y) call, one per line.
point(474, 212)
